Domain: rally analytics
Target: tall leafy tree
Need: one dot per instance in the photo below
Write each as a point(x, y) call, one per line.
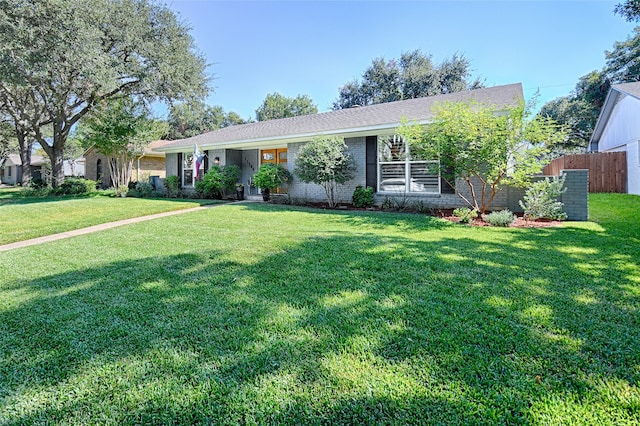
point(579, 118)
point(276, 105)
point(623, 62)
point(414, 75)
point(8, 142)
point(194, 118)
point(580, 110)
point(630, 9)
point(120, 130)
point(59, 59)
point(483, 146)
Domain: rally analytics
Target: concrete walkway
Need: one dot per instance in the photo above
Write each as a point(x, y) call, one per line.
point(102, 227)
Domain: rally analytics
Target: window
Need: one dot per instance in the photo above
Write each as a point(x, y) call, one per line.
point(99, 170)
point(399, 172)
point(187, 170)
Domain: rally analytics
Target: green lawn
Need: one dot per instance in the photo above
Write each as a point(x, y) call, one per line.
point(254, 314)
point(22, 218)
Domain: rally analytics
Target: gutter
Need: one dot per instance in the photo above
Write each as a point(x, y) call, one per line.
point(300, 137)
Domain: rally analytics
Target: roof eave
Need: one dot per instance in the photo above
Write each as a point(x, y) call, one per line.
point(603, 118)
point(301, 137)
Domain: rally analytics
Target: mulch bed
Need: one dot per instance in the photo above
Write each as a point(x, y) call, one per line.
point(447, 214)
point(520, 222)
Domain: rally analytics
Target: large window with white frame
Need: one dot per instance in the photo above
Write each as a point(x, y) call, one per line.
point(187, 170)
point(400, 172)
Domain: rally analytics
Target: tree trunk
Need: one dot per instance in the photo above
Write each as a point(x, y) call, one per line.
point(25, 157)
point(57, 166)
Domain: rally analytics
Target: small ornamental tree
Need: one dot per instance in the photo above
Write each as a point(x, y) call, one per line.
point(484, 146)
point(120, 130)
point(326, 162)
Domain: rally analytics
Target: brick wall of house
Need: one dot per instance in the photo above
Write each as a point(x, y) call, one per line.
point(149, 166)
point(309, 191)
point(91, 170)
point(575, 198)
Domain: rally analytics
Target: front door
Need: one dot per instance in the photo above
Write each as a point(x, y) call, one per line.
point(275, 156)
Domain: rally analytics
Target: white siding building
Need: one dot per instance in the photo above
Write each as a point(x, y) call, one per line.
point(618, 129)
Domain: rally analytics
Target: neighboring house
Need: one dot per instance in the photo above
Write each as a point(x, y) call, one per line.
point(618, 129)
point(149, 164)
point(11, 169)
point(74, 168)
point(381, 157)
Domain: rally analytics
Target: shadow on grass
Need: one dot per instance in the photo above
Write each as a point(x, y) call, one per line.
point(26, 199)
point(339, 330)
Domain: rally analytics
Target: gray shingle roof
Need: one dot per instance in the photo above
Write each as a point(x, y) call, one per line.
point(616, 92)
point(632, 89)
point(387, 115)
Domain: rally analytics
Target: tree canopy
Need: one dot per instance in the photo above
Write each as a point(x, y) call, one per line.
point(276, 105)
point(580, 109)
point(629, 9)
point(194, 118)
point(61, 58)
point(414, 75)
point(484, 146)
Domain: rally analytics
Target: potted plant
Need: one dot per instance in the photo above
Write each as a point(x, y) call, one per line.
point(270, 176)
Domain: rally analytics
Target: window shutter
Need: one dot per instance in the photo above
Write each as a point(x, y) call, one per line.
point(371, 171)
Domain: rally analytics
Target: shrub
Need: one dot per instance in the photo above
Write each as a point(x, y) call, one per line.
point(465, 214)
point(75, 186)
point(401, 202)
point(421, 206)
point(500, 218)
point(144, 189)
point(271, 176)
point(38, 184)
point(231, 175)
point(172, 185)
point(211, 185)
point(541, 200)
point(363, 197)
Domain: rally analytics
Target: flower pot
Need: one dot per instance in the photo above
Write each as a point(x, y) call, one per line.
point(266, 194)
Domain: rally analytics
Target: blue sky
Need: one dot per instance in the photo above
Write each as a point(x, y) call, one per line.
point(314, 47)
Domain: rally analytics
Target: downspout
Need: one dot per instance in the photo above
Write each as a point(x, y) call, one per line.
point(138, 168)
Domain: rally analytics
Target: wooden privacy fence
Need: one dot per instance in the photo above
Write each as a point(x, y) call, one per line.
point(607, 170)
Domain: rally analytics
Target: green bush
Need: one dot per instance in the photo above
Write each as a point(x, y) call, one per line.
point(363, 197)
point(541, 200)
point(144, 189)
point(231, 175)
point(500, 218)
point(212, 184)
point(217, 180)
point(172, 186)
point(465, 214)
point(38, 184)
point(271, 176)
point(75, 186)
